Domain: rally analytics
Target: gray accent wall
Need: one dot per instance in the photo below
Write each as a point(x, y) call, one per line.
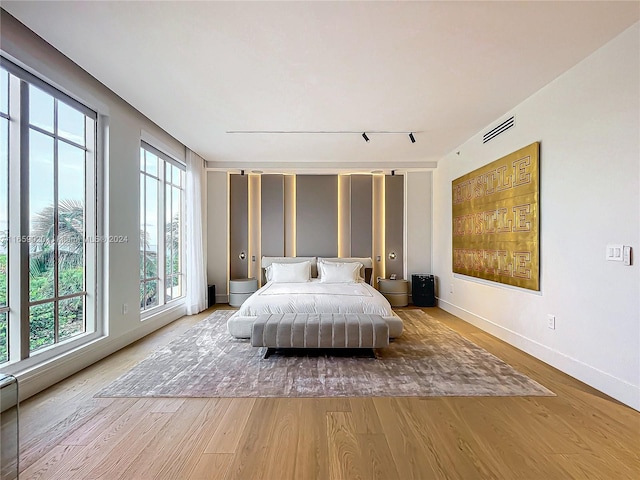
point(394, 224)
point(217, 238)
point(361, 215)
point(317, 215)
point(238, 225)
point(273, 227)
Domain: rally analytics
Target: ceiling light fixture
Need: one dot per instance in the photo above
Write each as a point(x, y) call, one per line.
point(330, 132)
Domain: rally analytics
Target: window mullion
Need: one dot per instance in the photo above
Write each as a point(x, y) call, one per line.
point(91, 221)
point(19, 220)
point(145, 253)
point(143, 232)
point(161, 214)
point(168, 271)
point(55, 136)
point(15, 351)
point(56, 228)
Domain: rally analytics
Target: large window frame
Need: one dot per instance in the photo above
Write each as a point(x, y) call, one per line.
point(162, 279)
point(20, 243)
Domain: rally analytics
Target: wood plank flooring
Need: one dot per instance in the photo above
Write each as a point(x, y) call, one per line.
point(580, 434)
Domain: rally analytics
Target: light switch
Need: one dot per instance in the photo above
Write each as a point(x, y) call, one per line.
point(614, 253)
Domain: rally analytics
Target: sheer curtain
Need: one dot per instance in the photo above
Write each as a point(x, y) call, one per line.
point(196, 258)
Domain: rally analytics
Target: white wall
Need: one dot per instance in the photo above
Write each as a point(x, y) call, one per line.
point(124, 126)
point(418, 208)
point(587, 121)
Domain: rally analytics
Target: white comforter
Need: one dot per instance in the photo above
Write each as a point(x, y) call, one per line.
point(316, 297)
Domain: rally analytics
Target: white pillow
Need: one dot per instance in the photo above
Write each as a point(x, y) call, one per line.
point(268, 274)
point(290, 272)
point(267, 261)
point(339, 272)
point(346, 260)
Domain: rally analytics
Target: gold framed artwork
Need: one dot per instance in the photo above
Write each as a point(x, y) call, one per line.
point(495, 220)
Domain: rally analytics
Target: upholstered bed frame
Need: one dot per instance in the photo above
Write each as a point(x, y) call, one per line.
point(240, 325)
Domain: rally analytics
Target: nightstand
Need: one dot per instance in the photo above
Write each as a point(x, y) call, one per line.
point(396, 291)
point(240, 289)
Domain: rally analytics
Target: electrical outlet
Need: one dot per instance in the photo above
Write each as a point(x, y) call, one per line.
point(551, 322)
point(125, 308)
point(451, 288)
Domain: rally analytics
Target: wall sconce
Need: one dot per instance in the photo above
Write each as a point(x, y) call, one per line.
point(242, 256)
point(392, 256)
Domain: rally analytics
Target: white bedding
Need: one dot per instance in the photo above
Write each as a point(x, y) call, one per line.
point(316, 297)
point(313, 297)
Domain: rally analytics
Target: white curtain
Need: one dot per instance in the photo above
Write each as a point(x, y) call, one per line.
point(196, 259)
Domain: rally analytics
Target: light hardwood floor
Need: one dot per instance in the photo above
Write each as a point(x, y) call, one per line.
point(581, 434)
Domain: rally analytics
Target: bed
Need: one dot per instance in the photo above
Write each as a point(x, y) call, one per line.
point(313, 296)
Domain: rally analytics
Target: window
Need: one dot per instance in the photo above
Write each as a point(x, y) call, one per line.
point(161, 228)
point(48, 246)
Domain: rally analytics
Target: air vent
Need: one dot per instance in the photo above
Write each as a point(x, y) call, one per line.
point(494, 132)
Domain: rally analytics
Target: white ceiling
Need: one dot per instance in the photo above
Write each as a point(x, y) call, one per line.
point(445, 70)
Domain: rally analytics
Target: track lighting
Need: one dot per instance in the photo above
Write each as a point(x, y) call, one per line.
point(329, 132)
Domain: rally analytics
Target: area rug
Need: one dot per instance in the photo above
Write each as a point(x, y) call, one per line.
point(429, 359)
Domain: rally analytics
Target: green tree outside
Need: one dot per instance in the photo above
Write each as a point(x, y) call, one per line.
point(70, 273)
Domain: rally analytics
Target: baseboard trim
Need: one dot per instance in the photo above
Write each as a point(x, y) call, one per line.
point(46, 374)
point(617, 388)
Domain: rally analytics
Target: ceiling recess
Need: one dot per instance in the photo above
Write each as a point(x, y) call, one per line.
point(503, 127)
